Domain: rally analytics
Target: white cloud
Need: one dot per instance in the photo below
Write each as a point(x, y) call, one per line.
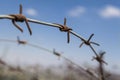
point(77, 11)
point(110, 12)
point(31, 12)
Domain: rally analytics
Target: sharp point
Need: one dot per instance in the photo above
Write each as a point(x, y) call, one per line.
point(20, 5)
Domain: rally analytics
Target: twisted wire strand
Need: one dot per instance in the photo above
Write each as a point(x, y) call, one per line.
point(49, 24)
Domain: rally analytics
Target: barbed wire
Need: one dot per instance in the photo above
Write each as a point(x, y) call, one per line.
point(63, 28)
point(54, 52)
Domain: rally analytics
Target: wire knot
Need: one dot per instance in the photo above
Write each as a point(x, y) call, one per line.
point(18, 17)
point(99, 58)
point(64, 28)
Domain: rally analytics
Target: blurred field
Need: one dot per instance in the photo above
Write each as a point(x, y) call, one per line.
point(68, 70)
point(38, 72)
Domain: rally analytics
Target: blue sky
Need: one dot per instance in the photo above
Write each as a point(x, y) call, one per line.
point(83, 16)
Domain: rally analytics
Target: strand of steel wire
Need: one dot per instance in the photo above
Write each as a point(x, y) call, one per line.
point(54, 25)
point(53, 52)
point(63, 28)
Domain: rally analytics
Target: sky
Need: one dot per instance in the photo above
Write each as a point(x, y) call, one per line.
point(85, 17)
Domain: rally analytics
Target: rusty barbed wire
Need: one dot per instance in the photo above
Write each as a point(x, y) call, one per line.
point(21, 41)
point(99, 58)
point(63, 28)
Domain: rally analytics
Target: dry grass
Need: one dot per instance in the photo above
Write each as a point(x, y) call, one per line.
point(65, 72)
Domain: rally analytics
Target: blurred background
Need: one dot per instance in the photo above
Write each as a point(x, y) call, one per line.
point(83, 16)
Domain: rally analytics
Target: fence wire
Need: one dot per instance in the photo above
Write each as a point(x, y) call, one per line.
point(57, 54)
point(62, 27)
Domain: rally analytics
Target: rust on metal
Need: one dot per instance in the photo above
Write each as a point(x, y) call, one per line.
point(20, 18)
point(64, 28)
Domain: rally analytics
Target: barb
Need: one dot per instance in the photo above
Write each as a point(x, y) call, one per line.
point(100, 60)
point(64, 28)
point(21, 41)
point(56, 53)
point(45, 23)
point(88, 43)
point(20, 18)
point(98, 57)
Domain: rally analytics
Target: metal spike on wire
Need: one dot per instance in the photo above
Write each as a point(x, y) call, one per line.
point(88, 42)
point(20, 18)
point(21, 41)
point(64, 28)
point(56, 53)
